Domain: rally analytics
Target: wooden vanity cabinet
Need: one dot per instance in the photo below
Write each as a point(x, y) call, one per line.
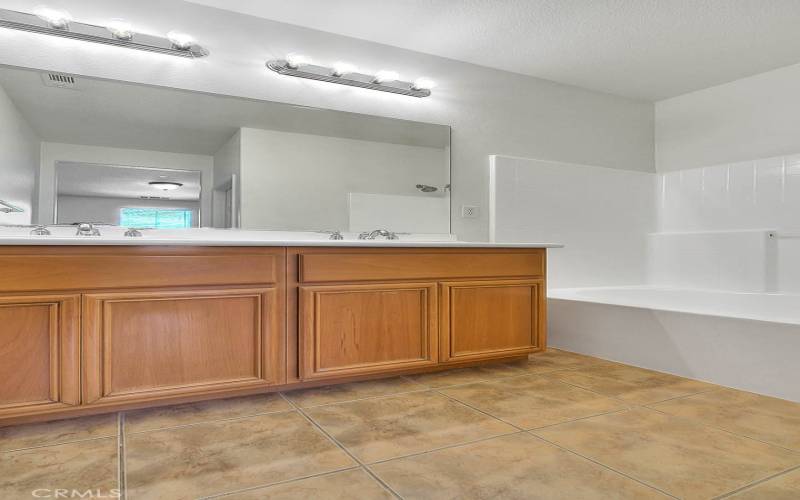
point(491, 319)
point(88, 329)
point(39, 353)
point(368, 311)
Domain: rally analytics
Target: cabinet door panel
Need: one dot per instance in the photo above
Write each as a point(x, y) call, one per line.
point(39, 353)
point(354, 329)
point(489, 319)
point(147, 344)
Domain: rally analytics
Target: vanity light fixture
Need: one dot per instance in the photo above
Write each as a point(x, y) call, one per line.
point(117, 32)
point(165, 185)
point(300, 66)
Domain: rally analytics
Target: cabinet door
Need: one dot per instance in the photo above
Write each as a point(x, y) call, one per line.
point(359, 329)
point(146, 345)
point(39, 353)
point(491, 319)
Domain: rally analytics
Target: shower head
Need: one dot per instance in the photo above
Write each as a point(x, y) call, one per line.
point(426, 188)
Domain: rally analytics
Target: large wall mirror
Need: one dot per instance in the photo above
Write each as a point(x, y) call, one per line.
point(140, 156)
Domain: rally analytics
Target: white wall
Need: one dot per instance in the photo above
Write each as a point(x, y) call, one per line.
point(300, 181)
point(490, 111)
point(729, 155)
point(73, 209)
point(55, 152)
point(19, 163)
point(601, 215)
point(748, 119)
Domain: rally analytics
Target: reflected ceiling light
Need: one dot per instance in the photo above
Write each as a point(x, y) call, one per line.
point(180, 40)
point(165, 185)
point(347, 74)
point(423, 84)
point(342, 68)
point(294, 61)
point(56, 19)
point(120, 29)
point(118, 32)
point(384, 76)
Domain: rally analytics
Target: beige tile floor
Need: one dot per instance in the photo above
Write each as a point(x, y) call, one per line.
point(559, 426)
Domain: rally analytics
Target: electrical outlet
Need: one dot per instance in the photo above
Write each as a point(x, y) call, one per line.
point(469, 211)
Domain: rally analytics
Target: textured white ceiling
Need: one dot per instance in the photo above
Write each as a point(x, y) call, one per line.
point(646, 49)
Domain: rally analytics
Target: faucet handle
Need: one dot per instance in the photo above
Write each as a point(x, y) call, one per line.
point(87, 229)
point(133, 232)
point(335, 235)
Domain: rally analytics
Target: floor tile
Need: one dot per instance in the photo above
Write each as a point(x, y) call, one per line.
point(211, 458)
point(679, 456)
point(783, 487)
point(510, 467)
point(203, 411)
point(348, 392)
point(59, 431)
point(533, 401)
point(773, 420)
point(554, 360)
point(470, 375)
point(631, 384)
point(85, 465)
point(345, 485)
point(392, 426)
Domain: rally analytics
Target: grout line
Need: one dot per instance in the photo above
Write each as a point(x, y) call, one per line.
point(277, 483)
point(365, 398)
point(343, 448)
point(123, 472)
point(700, 422)
point(602, 465)
point(445, 447)
point(612, 412)
point(60, 443)
point(457, 401)
point(192, 424)
point(756, 483)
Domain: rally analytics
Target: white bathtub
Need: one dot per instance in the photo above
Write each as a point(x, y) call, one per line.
point(749, 341)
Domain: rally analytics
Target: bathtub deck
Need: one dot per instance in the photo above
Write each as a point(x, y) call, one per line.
point(560, 425)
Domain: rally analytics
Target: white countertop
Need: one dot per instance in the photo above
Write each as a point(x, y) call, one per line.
point(237, 237)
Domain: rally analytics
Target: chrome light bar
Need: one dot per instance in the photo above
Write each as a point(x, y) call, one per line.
point(354, 79)
point(99, 34)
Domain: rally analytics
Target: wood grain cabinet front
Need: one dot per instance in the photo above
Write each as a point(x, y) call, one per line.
point(491, 319)
point(353, 329)
point(39, 353)
point(151, 344)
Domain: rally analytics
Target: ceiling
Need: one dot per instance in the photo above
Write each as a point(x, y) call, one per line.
point(643, 49)
point(113, 181)
point(109, 113)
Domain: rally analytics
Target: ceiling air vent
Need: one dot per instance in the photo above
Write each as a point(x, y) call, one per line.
point(60, 80)
point(154, 197)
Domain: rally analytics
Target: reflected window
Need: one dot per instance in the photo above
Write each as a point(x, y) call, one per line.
point(156, 218)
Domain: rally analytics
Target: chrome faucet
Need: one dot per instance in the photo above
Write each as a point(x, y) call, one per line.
point(40, 230)
point(371, 235)
point(87, 229)
point(334, 235)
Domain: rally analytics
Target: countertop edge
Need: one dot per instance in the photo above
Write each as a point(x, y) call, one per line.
point(257, 243)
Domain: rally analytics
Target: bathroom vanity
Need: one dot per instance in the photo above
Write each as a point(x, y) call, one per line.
point(101, 327)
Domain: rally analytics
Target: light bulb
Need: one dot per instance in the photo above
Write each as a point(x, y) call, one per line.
point(386, 76)
point(343, 68)
point(58, 19)
point(181, 41)
point(295, 60)
point(120, 29)
point(423, 84)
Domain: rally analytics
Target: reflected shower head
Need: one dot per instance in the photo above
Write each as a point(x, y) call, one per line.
point(426, 188)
